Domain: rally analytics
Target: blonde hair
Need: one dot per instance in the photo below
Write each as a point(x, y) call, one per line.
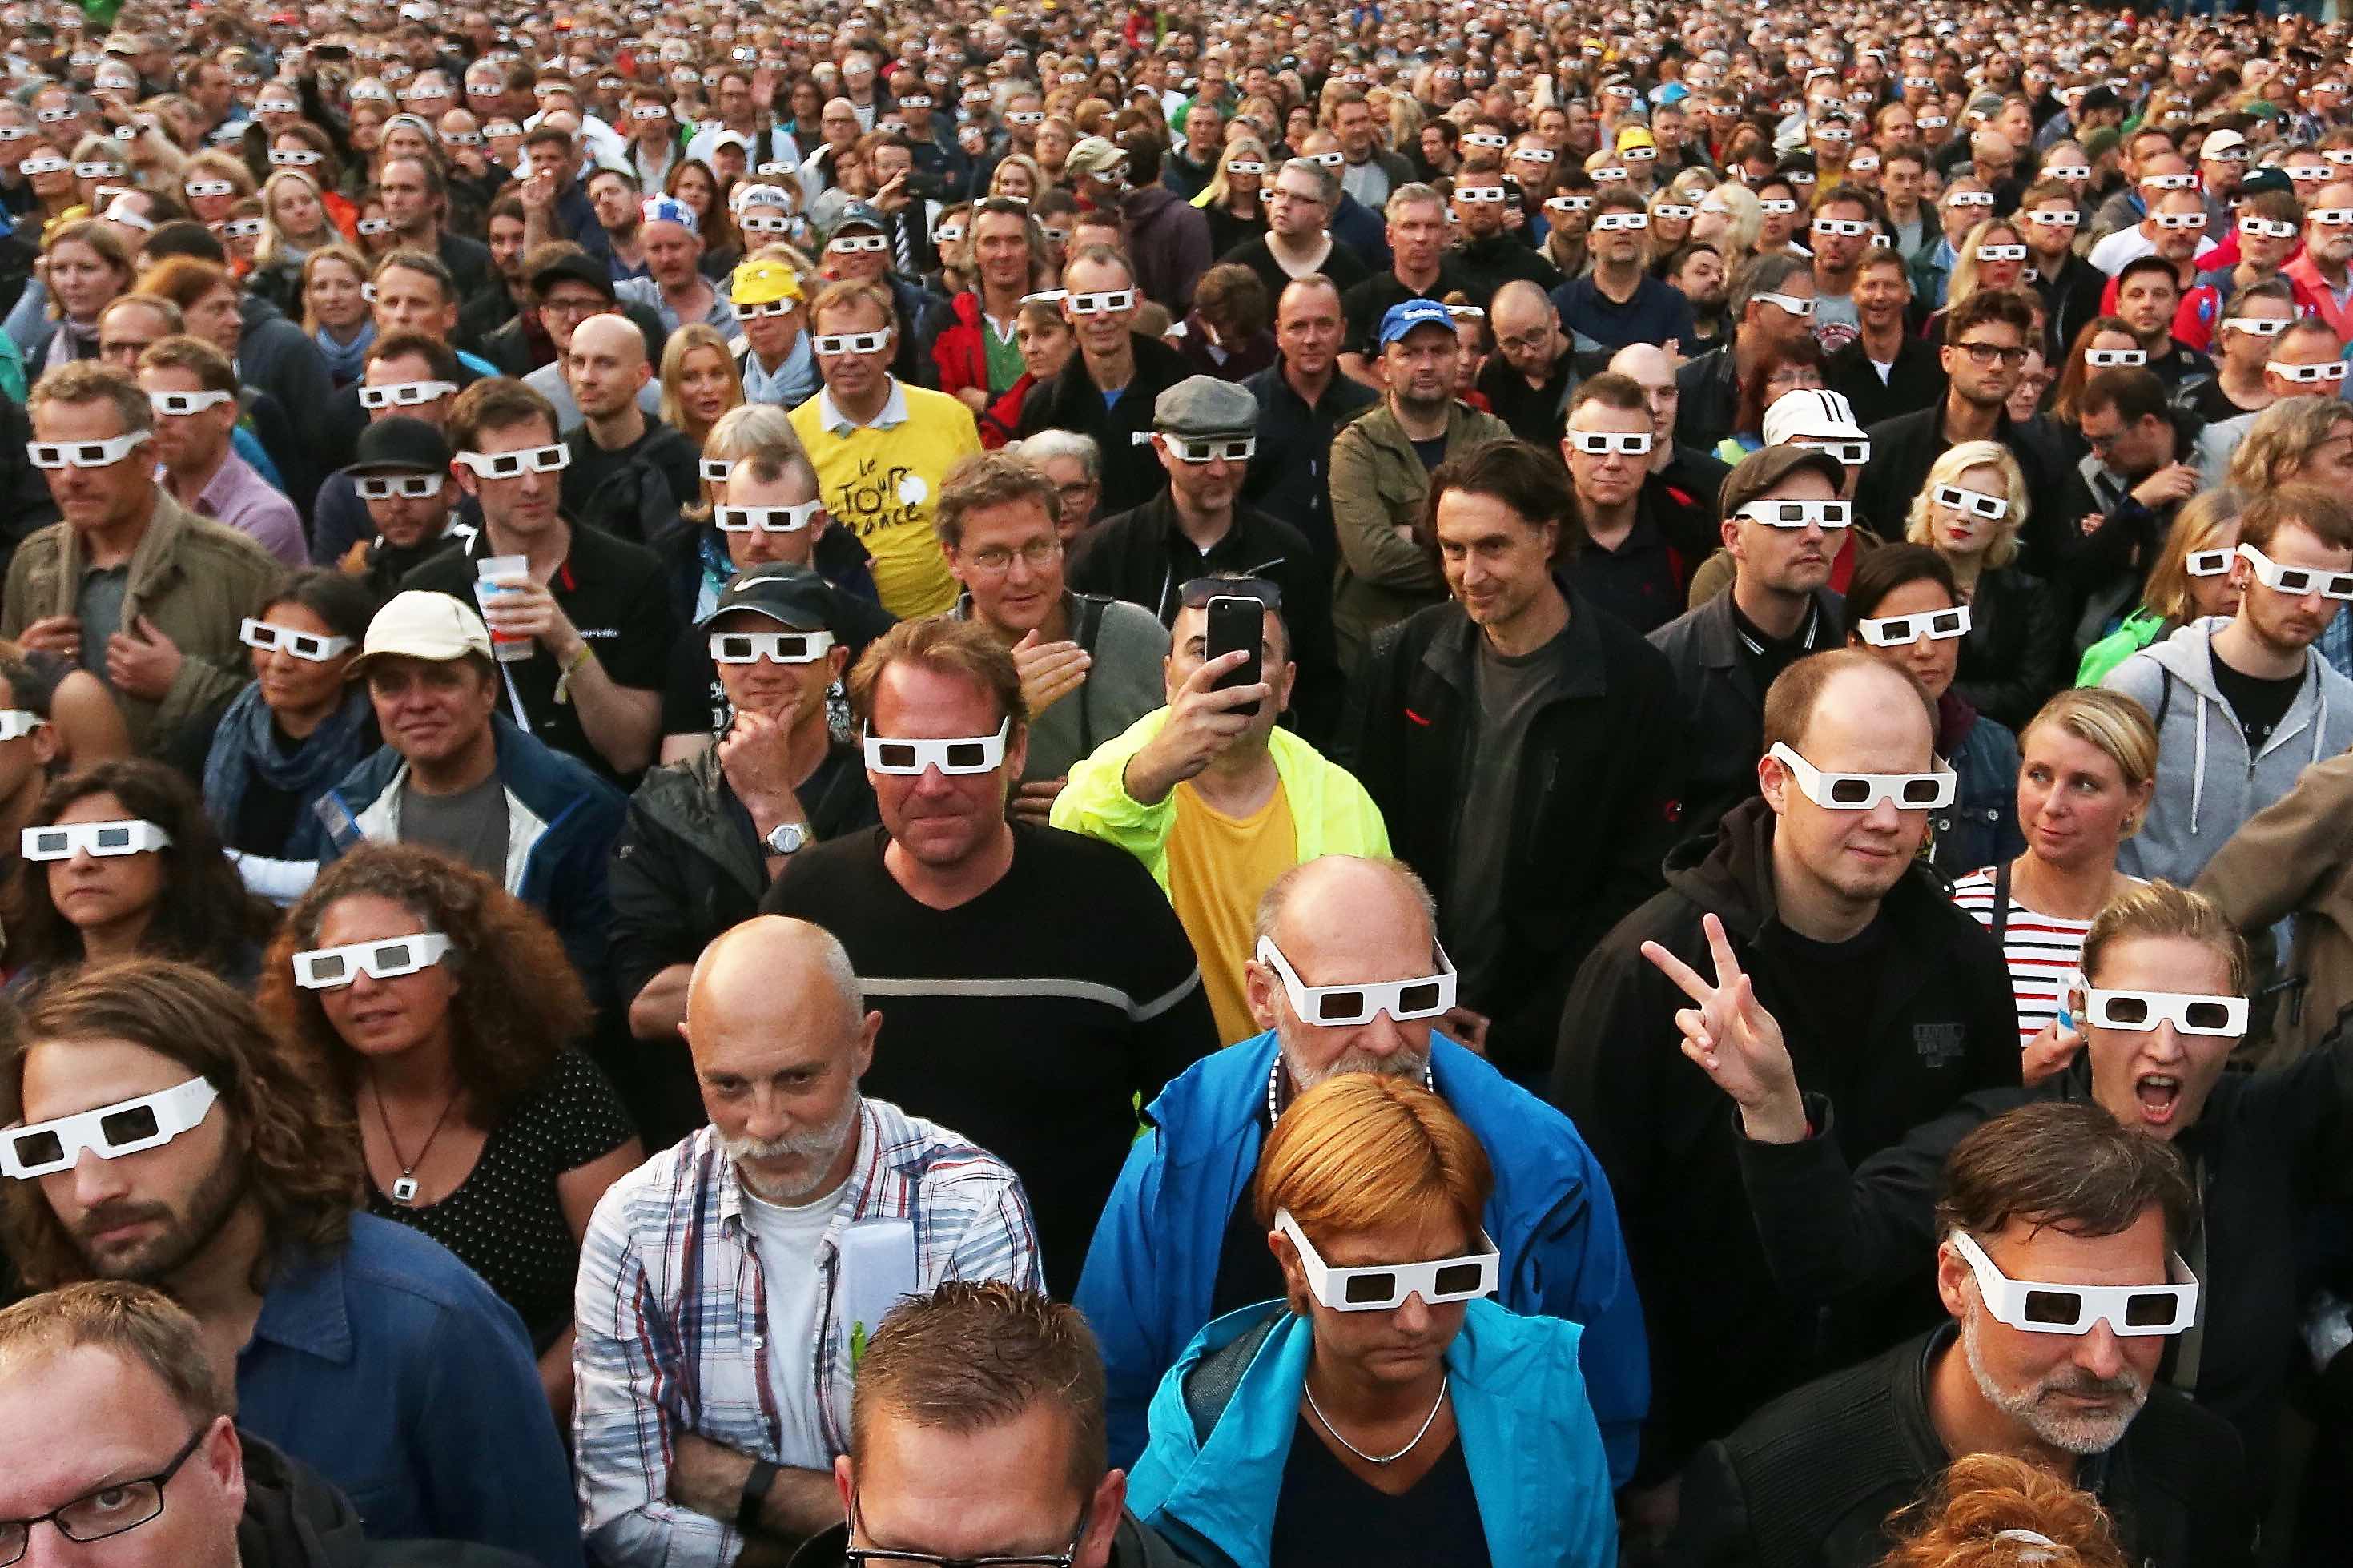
point(215, 165)
point(1991, 1510)
point(276, 245)
point(1364, 1150)
point(2159, 909)
point(1214, 193)
point(1747, 218)
point(2201, 522)
point(694, 335)
point(133, 1324)
point(1947, 470)
point(1964, 280)
point(2281, 436)
point(2115, 725)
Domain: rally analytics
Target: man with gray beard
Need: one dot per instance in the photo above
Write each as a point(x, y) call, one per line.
point(800, 1214)
point(2061, 1266)
point(1348, 976)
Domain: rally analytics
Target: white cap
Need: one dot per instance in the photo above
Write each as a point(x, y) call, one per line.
point(2218, 142)
point(419, 624)
point(1822, 415)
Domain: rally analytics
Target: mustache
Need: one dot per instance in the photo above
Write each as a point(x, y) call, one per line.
point(2077, 1381)
point(107, 1217)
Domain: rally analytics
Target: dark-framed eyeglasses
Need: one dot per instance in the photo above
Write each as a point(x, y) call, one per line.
point(878, 1557)
point(121, 1506)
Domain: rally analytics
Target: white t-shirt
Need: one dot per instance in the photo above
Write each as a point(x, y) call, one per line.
point(787, 1239)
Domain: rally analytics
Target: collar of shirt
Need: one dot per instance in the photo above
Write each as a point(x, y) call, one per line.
point(232, 482)
point(1754, 641)
point(837, 423)
point(304, 1308)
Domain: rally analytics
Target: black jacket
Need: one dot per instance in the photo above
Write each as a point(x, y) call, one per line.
point(294, 1518)
point(1940, 1023)
point(2019, 648)
point(1137, 1545)
point(1142, 556)
point(1594, 812)
point(1915, 381)
point(2069, 301)
point(1132, 473)
point(1723, 705)
point(1290, 477)
point(1501, 258)
point(1903, 450)
point(1810, 1481)
point(639, 498)
point(1710, 386)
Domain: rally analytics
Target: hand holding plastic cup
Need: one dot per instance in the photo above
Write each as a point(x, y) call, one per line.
point(495, 575)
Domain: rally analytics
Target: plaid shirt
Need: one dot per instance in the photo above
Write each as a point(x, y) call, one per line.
point(673, 1315)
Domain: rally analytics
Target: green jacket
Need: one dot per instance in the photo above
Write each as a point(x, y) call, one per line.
point(1330, 811)
point(1378, 486)
point(194, 578)
point(2139, 630)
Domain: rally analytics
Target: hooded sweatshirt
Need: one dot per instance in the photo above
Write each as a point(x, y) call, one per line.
point(2207, 783)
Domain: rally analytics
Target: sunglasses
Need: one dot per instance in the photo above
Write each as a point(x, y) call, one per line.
point(83, 454)
point(851, 244)
point(1977, 503)
point(1208, 449)
point(2309, 374)
point(910, 759)
point(331, 968)
point(750, 224)
point(776, 647)
point(185, 402)
point(2191, 1012)
point(1569, 203)
point(1382, 1286)
point(102, 840)
point(766, 518)
point(1603, 443)
point(508, 465)
point(1674, 210)
point(210, 188)
point(2297, 580)
point(1863, 791)
point(268, 638)
point(764, 312)
point(1851, 229)
point(110, 1131)
point(2044, 1308)
point(411, 486)
point(1108, 301)
point(42, 166)
point(1830, 514)
point(2055, 218)
point(2105, 359)
point(1902, 631)
point(2258, 326)
point(848, 342)
point(1612, 223)
point(1789, 302)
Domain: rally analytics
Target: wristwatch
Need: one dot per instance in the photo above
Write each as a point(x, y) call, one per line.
point(786, 837)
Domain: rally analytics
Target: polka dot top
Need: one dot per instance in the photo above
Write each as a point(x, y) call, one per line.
point(505, 1221)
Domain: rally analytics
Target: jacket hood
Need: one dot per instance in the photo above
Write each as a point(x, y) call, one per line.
point(2187, 654)
point(293, 1517)
point(1143, 204)
point(1732, 873)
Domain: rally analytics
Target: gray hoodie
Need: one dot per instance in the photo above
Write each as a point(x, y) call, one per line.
point(2207, 785)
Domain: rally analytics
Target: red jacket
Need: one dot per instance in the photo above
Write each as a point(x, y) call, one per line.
point(2315, 297)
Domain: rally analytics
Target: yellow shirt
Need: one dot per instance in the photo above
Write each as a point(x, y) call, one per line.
point(1218, 868)
point(881, 481)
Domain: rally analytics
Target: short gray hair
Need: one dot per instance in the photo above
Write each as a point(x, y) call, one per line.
point(1048, 444)
point(1412, 195)
point(1327, 186)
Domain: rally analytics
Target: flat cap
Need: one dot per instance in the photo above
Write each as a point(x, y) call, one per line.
point(1203, 406)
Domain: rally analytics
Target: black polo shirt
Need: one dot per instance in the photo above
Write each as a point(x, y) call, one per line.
point(611, 590)
point(1368, 301)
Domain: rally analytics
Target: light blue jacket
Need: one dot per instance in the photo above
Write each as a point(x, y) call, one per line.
point(1212, 1475)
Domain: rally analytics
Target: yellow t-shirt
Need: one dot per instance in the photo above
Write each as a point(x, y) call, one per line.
point(881, 481)
point(1218, 868)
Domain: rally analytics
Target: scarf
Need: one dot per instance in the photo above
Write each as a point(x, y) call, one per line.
point(244, 747)
point(345, 361)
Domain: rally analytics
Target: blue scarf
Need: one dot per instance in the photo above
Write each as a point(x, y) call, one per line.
point(245, 747)
point(345, 361)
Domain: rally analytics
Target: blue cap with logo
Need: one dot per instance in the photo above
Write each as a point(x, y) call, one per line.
point(1407, 315)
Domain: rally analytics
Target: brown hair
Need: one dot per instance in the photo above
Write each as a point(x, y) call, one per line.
point(1361, 1149)
point(1531, 484)
point(848, 292)
point(2066, 1164)
point(2159, 909)
point(986, 479)
point(2197, 524)
point(2281, 439)
point(496, 403)
point(504, 1038)
point(1984, 1512)
point(980, 1353)
point(965, 648)
point(301, 1150)
point(2001, 305)
point(93, 381)
point(184, 280)
point(2317, 508)
point(133, 1324)
point(184, 352)
point(1790, 701)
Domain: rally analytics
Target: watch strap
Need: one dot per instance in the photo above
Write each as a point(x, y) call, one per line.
point(756, 1487)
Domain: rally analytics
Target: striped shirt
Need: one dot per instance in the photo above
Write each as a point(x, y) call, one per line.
point(673, 1315)
point(2041, 951)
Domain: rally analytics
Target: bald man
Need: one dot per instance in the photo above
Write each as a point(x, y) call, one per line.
point(618, 447)
point(1685, 475)
point(1527, 379)
point(791, 1222)
point(1177, 1244)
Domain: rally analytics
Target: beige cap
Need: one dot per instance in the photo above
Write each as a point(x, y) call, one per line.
point(419, 624)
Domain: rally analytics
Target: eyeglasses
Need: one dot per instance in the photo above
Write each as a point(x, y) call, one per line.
point(181, 404)
point(1568, 203)
point(776, 647)
point(2040, 1308)
point(765, 519)
point(15, 723)
point(2207, 562)
point(884, 1557)
point(1902, 631)
point(2257, 326)
point(1862, 163)
point(1674, 210)
point(1863, 791)
point(1776, 205)
point(508, 465)
point(241, 228)
point(1983, 354)
point(2309, 374)
point(2168, 182)
point(1970, 199)
point(2180, 220)
point(912, 758)
point(331, 968)
point(1208, 448)
point(110, 1131)
point(2067, 171)
point(373, 225)
point(851, 244)
point(996, 559)
point(850, 342)
point(1977, 503)
point(104, 454)
point(1789, 302)
point(292, 157)
point(1829, 515)
point(385, 487)
point(1245, 166)
point(1610, 223)
point(1106, 301)
point(111, 1510)
point(1380, 1287)
point(2191, 1012)
point(1604, 443)
point(2296, 580)
point(210, 188)
point(268, 638)
point(2054, 217)
point(2105, 359)
point(1853, 454)
point(2002, 253)
point(2266, 228)
point(1605, 176)
point(104, 840)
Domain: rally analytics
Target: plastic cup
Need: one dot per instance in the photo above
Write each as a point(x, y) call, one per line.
point(495, 576)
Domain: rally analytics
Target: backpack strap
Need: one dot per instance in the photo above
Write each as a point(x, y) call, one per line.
point(1085, 627)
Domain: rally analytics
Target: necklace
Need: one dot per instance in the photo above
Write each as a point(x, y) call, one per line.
point(1428, 1421)
point(403, 1190)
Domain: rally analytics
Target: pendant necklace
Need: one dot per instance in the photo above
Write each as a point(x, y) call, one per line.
point(1427, 1422)
point(403, 1190)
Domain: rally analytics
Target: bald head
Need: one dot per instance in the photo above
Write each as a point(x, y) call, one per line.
point(1518, 307)
point(1332, 891)
point(1645, 362)
point(1341, 920)
point(615, 335)
point(769, 973)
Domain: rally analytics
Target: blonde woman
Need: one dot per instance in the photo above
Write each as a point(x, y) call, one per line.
point(699, 382)
point(1991, 256)
point(1018, 176)
point(86, 264)
point(334, 310)
point(1232, 201)
point(2190, 581)
point(1673, 213)
point(102, 156)
point(1729, 219)
point(1969, 511)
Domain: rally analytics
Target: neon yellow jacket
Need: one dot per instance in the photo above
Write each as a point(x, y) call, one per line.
point(1330, 811)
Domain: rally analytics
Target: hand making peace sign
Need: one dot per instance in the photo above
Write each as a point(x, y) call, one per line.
point(1735, 1041)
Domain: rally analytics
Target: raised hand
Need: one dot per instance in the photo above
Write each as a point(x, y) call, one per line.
point(1735, 1040)
point(2047, 1054)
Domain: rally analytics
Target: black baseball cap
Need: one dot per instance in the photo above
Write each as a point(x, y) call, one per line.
point(577, 267)
point(790, 596)
point(403, 445)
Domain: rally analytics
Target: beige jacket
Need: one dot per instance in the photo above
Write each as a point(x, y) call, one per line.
point(2295, 857)
point(1378, 486)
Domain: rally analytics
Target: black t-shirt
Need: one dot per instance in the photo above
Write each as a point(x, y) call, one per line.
point(611, 590)
point(1325, 1513)
point(1368, 301)
point(1835, 982)
point(2212, 403)
point(1636, 581)
point(1431, 452)
point(2258, 704)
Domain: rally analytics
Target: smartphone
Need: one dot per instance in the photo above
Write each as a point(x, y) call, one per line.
point(332, 51)
point(1237, 625)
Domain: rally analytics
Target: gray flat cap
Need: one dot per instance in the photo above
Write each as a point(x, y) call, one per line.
point(1203, 406)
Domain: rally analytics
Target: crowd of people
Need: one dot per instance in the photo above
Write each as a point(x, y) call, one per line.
point(1175, 786)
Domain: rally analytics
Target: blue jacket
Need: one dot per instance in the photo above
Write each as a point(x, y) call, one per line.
point(562, 821)
point(1213, 1475)
point(1152, 1271)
